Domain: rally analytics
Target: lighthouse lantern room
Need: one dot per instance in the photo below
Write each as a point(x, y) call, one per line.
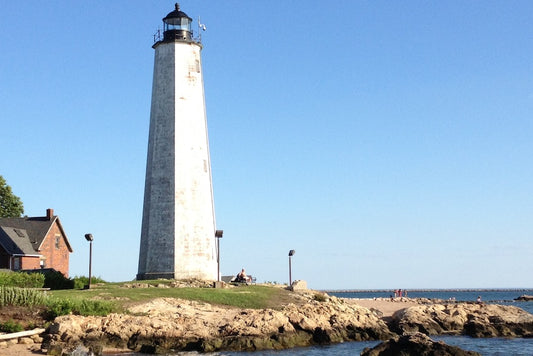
point(177, 26)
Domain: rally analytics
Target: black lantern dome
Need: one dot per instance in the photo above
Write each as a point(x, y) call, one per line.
point(177, 26)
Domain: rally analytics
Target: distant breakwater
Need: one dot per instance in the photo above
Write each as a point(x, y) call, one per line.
point(427, 290)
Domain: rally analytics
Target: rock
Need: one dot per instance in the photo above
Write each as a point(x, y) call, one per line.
point(525, 298)
point(477, 320)
point(26, 341)
point(173, 324)
point(55, 350)
point(37, 339)
point(416, 344)
point(298, 285)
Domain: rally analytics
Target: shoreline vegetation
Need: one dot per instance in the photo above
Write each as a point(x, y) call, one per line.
point(166, 315)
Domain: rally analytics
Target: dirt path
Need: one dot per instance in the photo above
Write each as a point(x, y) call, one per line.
point(20, 350)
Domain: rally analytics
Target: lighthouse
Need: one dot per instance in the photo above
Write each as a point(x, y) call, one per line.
point(178, 222)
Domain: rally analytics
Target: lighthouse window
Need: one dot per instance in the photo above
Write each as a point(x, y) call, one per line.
point(178, 24)
point(185, 24)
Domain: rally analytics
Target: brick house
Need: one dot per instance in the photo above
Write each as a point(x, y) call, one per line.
point(34, 242)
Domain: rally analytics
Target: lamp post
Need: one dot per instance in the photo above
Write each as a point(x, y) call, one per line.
point(218, 235)
point(291, 253)
point(89, 237)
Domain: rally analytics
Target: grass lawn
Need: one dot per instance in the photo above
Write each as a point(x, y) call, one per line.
point(254, 296)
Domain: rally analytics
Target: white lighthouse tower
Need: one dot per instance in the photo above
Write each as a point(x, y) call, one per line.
point(178, 224)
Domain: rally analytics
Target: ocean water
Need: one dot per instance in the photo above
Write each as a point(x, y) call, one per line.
point(492, 296)
point(488, 347)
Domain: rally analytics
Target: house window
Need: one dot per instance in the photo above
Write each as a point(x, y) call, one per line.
point(57, 241)
point(16, 263)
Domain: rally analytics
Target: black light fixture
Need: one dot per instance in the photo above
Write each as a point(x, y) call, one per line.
point(291, 253)
point(218, 235)
point(89, 237)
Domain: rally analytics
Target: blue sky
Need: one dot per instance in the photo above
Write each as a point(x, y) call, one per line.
point(389, 144)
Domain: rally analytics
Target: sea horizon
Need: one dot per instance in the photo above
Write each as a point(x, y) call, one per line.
point(381, 290)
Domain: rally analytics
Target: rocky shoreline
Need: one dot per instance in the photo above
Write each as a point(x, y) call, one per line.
point(311, 318)
point(181, 325)
point(167, 324)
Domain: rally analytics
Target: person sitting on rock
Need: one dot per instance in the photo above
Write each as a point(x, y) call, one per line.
point(478, 301)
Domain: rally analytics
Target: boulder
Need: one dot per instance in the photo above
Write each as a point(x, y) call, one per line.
point(525, 298)
point(477, 320)
point(298, 285)
point(417, 344)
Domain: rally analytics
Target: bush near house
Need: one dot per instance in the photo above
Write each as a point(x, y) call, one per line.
point(81, 281)
point(56, 280)
point(22, 279)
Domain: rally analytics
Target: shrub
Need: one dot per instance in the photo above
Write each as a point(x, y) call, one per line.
point(81, 281)
point(319, 297)
point(56, 280)
point(21, 279)
point(10, 326)
point(21, 296)
point(58, 307)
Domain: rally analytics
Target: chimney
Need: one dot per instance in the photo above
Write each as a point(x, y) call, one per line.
point(49, 214)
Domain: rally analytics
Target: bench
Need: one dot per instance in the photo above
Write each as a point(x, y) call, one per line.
point(229, 279)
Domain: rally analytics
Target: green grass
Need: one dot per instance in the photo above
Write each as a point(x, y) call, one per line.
point(105, 298)
point(254, 296)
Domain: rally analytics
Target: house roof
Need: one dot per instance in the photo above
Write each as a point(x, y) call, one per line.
point(28, 233)
point(16, 241)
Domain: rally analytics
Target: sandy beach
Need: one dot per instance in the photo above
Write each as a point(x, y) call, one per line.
point(384, 305)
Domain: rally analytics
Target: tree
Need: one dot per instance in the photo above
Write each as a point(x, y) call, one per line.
point(10, 205)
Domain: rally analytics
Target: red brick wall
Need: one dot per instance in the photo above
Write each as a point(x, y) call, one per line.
point(29, 262)
point(57, 257)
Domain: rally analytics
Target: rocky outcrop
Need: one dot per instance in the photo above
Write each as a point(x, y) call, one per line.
point(173, 324)
point(416, 344)
point(525, 298)
point(476, 320)
point(298, 285)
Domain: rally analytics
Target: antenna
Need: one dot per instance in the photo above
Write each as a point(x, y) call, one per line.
point(201, 27)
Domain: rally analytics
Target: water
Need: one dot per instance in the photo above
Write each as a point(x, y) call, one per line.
point(487, 347)
point(500, 296)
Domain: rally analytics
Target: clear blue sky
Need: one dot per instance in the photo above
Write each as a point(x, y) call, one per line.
point(389, 143)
